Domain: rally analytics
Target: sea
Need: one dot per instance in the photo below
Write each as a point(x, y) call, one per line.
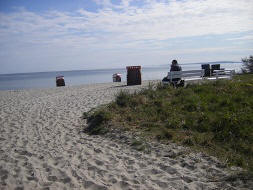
point(40, 80)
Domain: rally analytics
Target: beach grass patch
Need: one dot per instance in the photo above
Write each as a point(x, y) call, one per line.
point(97, 121)
point(215, 117)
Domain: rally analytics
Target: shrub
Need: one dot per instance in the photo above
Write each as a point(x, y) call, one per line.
point(96, 121)
point(123, 98)
point(215, 117)
point(247, 64)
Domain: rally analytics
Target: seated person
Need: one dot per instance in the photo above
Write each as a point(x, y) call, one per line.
point(175, 81)
point(174, 66)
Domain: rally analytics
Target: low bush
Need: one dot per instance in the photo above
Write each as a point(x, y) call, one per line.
point(214, 117)
point(97, 122)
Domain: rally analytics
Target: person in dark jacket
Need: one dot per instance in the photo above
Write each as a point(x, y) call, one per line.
point(174, 66)
point(177, 82)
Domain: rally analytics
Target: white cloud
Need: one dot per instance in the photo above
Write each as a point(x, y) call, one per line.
point(157, 21)
point(246, 37)
point(122, 27)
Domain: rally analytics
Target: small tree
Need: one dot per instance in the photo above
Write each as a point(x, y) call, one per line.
point(247, 66)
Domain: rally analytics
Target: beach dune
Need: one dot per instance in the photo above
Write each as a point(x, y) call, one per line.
point(42, 146)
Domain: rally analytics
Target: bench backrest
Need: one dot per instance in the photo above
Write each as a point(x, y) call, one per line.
point(218, 73)
point(185, 74)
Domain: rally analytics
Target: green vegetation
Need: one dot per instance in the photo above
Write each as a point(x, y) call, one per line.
point(97, 122)
point(214, 117)
point(247, 64)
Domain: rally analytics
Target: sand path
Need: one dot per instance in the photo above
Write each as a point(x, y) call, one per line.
point(42, 146)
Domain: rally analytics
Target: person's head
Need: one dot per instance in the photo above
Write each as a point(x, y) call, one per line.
point(174, 62)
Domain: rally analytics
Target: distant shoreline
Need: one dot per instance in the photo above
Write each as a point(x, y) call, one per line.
point(120, 84)
point(79, 77)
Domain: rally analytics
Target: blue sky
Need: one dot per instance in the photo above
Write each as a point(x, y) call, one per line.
point(51, 35)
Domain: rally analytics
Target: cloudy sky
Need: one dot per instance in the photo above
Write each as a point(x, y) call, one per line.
point(49, 35)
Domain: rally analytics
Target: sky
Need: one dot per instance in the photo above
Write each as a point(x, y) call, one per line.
point(55, 35)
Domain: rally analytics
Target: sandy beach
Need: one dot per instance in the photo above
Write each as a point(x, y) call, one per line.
point(43, 147)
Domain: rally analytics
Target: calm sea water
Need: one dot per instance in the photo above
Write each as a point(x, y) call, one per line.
point(47, 79)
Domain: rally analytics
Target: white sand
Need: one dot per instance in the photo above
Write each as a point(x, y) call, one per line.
point(43, 147)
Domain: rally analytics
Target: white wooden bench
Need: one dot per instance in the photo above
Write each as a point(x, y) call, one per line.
point(222, 74)
point(185, 75)
point(198, 75)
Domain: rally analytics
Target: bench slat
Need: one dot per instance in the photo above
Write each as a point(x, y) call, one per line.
point(183, 74)
point(199, 74)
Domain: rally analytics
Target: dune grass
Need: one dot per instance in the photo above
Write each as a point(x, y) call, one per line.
point(214, 117)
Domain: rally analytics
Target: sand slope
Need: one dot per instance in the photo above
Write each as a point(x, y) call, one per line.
point(42, 146)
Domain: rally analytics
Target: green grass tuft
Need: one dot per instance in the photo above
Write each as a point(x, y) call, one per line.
point(97, 122)
point(215, 117)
